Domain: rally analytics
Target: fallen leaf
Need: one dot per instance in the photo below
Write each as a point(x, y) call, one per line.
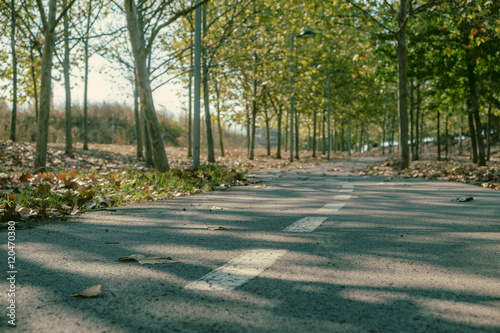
point(155, 260)
point(92, 291)
point(132, 257)
point(216, 208)
point(465, 199)
point(216, 228)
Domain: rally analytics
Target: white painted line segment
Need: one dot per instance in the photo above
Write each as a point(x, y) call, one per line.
point(307, 224)
point(331, 208)
point(346, 190)
point(342, 197)
point(238, 271)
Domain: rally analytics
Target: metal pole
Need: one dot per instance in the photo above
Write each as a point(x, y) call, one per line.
point(329, 111)
point(292, 81)
point(197, 87)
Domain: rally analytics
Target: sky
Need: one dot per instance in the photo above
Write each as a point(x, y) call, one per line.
point(104, 88)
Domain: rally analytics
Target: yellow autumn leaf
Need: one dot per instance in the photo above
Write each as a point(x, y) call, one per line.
point(91, 291)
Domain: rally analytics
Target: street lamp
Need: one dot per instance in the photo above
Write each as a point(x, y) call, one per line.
point(292, 81)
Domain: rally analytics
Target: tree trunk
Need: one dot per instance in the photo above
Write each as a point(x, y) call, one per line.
point(206, 96)
point(249, 133)
point(460, 141)
point(138, 123)
point(254, 116)
point(446, 135)
point(139, 51)
point(297, 135)
point(268, 134)
point(13, 122)
point(286, 133)
point(314, 134)
point(148, 150)
point(488, 135)
point(45, 91)
point(438, 136)
point(218, 119)
point(474, 104)
point(278, 149)
point(190, 102)
point(417, 131)
point(412, 119)
point(67, 87)
point(404, 158)
point(86, 80)
point(34, 82)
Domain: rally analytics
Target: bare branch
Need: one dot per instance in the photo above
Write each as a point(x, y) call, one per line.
point(368, 15)
point(170, 21)
point(42, 14)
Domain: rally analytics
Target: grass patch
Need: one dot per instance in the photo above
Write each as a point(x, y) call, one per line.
point(48, 195)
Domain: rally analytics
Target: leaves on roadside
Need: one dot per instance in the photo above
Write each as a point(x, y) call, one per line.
point(92, 291)
point(216, 228)
point(132, 257)
point(458, 171)
point(155, 260)
point(143, 260)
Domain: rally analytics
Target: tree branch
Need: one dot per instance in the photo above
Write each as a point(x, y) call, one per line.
point(170, 21)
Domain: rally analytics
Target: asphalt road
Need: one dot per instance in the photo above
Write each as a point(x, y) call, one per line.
point(308, 250)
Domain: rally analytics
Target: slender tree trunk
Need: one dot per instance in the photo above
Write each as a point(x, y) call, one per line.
point(137, 117)
point(254, 119)
point(297, 139)
point(278, 149)
point(417, 117)
point(460, 140)
point(249, 133)
point(286, 134)
point(221, 142)
point(323, 142)
point(206, 96)
point(474, 101)
point(34, 82)
point(314, 134)
point(446, 133)
point(488, 135)
point(13, 122)
point(473, 141)
point(438, 136)
point(190, 93)
point(86, 80)
point(67, 86)
point(138, 47)
point(404, 158)
point(45, 91)
point(268, 134)
point(412, 119)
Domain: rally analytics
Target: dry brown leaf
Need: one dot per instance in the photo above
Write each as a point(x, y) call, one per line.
point(155, 260)
point(132, 257)
point(92, 291)
point(216, 228)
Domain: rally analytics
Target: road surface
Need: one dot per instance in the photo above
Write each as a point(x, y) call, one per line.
point(307, 250)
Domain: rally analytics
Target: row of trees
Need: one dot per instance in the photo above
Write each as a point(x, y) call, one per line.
point(373, 71)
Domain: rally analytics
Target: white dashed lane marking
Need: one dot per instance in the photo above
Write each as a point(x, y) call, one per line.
point(331, 208)
point(252, 263)
point(307, 224)
point(238, 271)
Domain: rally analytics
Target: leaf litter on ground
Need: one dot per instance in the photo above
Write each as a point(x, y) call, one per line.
point(143, 260)
point(458, 171)
point(96, 180)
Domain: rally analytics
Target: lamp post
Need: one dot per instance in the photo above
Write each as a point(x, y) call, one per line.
point(292, 81)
